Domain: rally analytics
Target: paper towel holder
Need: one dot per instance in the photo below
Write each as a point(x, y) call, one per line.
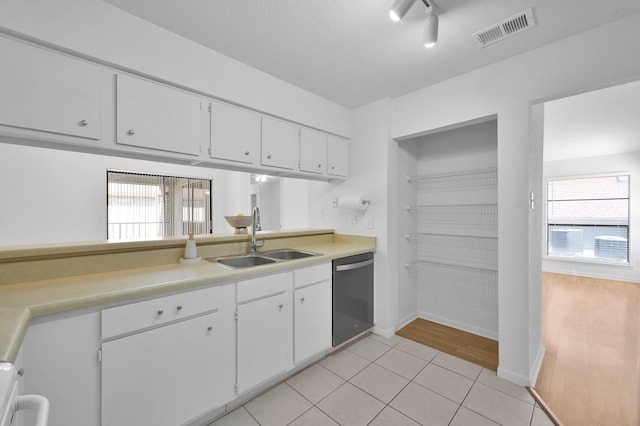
point(353, 203)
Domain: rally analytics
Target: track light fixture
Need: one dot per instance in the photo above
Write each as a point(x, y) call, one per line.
point(401, 7)
point(430, 35)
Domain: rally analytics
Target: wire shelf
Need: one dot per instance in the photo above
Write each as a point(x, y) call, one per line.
point(470, 251)
point(457, 180)
point(460, 285)
point(483, 214)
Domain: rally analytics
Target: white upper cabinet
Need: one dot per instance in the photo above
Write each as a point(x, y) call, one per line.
point(151, 115)
point(279, 143)
point(337, 156)
point(45, 91)
point(235, 134)
point(313, 151)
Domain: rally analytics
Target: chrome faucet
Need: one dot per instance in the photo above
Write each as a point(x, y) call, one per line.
point(255, 226)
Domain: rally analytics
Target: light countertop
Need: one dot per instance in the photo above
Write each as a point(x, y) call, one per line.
point(19, 302)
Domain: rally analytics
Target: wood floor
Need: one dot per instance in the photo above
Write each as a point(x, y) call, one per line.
point(479, 350)
point(590, 374)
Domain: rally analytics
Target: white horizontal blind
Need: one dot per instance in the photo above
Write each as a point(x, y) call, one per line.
point(588, 218)
point(142, 206)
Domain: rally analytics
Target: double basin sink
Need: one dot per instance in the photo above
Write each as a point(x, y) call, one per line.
point(265, 258)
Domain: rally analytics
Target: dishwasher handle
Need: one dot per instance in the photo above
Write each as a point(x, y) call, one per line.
point(37, 402)
point(351, 266)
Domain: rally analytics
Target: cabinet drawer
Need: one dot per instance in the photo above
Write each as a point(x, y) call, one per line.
point(257, 288)
point(136, 316)
point(312, 275)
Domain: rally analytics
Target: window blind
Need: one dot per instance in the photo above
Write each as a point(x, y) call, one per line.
point(143, 206)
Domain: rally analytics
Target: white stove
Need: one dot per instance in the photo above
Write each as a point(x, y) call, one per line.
point(11, 402)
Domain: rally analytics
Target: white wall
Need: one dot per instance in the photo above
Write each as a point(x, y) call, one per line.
point(99, 30)
point(628, 162)
point(507, 89)
point(51, 196)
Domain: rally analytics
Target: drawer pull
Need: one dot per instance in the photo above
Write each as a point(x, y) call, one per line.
point(280, 306)
point(302, 300)
point(131, 132)
point(84, 123)
point(210, 328)
point(246, 153)
point(269, 157)
point(179, 307)
point(160, 312)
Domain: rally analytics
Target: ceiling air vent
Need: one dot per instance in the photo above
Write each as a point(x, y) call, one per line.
point(505, 28)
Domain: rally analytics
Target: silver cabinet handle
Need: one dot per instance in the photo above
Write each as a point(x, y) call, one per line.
point(131, 132)
point(179, 308)
point(160, 312)
point(84, 123)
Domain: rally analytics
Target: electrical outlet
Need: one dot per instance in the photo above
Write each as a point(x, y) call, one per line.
point(369, 223)
point(353, 221)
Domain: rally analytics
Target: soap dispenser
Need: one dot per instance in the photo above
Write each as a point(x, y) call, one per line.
point(190, 251)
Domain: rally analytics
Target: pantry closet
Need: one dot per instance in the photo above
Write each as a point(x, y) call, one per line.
point(448, 228)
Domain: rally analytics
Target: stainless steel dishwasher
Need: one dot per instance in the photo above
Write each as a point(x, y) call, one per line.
point(352, 296)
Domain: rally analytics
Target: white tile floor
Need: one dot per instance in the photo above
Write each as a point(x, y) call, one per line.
point(382, 382)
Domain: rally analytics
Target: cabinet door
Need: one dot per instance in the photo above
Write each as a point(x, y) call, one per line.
point(49, 92)
point(235, 134)
point(337, 156)
point(313, 151)
point(279, 143)
point(169, 375)
point(265, 338)
point(312, 320)
point(61, 363)
point(151, 115)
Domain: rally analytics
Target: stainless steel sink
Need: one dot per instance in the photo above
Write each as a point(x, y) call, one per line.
point(265, 258)
point(242, 261)
point(288, 254)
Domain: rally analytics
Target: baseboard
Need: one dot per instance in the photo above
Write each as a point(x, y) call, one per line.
point(407, 319)
point(480, 331)
point(384, 332)
point(537, 364)
point(511, 376)
point(592, 275)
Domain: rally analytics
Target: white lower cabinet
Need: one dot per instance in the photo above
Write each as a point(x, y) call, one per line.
point(264, 329)
point(60, 359)
point(312, 311)
point(173, 373)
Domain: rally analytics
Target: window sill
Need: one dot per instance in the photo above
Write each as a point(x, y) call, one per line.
point(592, 261)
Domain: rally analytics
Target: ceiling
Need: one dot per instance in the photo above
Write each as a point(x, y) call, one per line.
point(350, 52)
point(602, 122)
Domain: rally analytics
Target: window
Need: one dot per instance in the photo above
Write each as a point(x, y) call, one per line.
point(588, 218)
point(142, 206)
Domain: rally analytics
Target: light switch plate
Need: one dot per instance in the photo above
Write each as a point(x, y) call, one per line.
point(353, 221)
